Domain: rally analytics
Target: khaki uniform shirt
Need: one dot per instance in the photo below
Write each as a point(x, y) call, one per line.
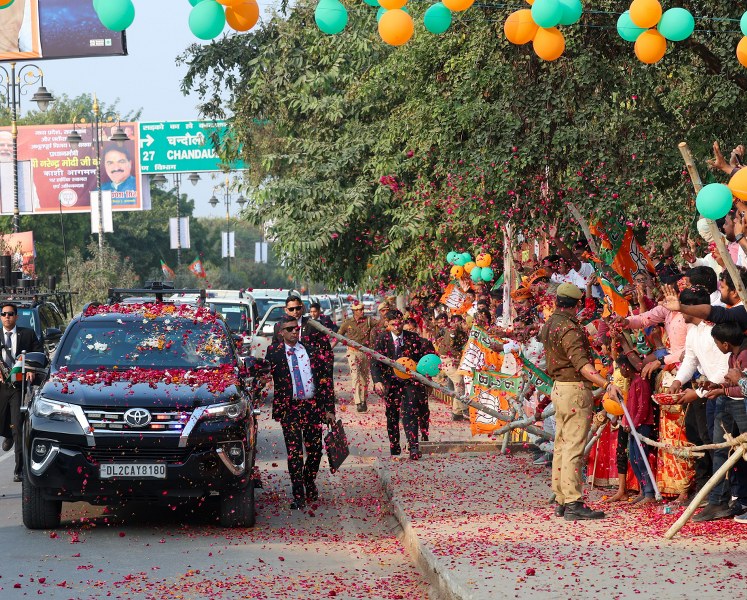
point(566, 346)
point(449, 344)
point(359, 332)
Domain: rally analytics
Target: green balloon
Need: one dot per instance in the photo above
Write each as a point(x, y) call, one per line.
point(487, 274)
point(382, 10)
point(195, 2)
point(476, 274)
point(437, 18)
point(372, 2)
point(116, 15)
point(451, 257)
point(467, 257)
point(547, 13)
point(429, 365)
point(714, 201)
point(743, 24)
point(677, 24)
point(207, 20)
point(331, 16)
point(626, 29)
point(571, 11)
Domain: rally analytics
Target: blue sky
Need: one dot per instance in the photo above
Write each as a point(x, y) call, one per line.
point(148, 78)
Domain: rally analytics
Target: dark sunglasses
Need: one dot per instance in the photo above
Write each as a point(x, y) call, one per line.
point(7, 314)
point(291, 328)
point(294, 308)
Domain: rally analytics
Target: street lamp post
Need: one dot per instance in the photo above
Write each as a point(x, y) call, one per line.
point(160, 179)
point(119, 137)
point(15, 83)
point(227, 199)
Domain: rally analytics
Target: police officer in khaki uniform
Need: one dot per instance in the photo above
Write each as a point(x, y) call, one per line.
point(570, 364)
point(358, 328)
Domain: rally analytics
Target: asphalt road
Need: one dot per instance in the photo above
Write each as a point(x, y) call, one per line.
point(345, 546)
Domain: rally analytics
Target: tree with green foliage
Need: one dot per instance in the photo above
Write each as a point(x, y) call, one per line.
point(92, 275)
point(373, 161)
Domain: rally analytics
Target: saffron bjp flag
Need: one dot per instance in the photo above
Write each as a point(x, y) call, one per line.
point(493, 390)
point(478, 354)
point(196, 268)
point(614, 301)
point(167, 271)
point(621, 250)
point(455, 299)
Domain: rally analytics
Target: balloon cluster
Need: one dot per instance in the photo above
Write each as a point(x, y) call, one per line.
point(539, 25)
point(649, 27)
point(207, 19)
point(428, 366)
point(395, 24)
point(478, 269)
point(6, 3)
point(742, 45)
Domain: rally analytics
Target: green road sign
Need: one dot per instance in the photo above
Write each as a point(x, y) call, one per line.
point(181, 146)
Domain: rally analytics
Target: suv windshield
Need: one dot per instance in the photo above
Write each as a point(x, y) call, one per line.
point(235, 315)
point(154, 343)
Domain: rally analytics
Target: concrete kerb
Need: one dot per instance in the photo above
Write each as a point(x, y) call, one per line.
point(444, 585)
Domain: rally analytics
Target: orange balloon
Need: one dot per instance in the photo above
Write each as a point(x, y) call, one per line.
point(392, 4)
point(408, 364)
point(612, 406)
point(530, 2)
point(645, 13)
point(5, 3)
point(457, 272)
point(742, 51)
point(483, 260)
point(469, 266)
point(457, 5)
point(549, 43)
point(396, 27)
point(244, 16)
point(520, 28)
point(650, 47)
point(738, 183)
point(229, 2)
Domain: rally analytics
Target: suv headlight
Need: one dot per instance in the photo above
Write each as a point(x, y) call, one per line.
point(53, 409)
point(227, 410)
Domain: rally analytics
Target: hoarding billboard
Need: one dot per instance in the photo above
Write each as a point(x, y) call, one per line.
point(52, 177)
point(46, 29)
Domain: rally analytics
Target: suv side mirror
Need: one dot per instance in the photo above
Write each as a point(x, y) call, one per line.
point(52, 333)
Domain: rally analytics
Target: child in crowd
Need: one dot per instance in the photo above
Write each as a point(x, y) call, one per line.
point(641, 414)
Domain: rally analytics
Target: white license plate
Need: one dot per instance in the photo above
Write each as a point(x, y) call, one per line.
point(133, 471)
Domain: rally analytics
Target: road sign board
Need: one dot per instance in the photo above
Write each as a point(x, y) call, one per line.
point(180, 146)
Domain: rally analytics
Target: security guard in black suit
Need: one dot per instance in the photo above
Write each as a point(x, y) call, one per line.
point(14, 341)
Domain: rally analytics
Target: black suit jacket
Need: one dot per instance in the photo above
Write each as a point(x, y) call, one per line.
point(413, 346)
point(27, 341)
point(310, 337)
point(324, 397)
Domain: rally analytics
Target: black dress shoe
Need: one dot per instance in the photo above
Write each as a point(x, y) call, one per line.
point(713, 512)
point(424, 437)
point(559, 510)
point(298, 504)
point(578, 511)
point(16, 477)
point(416, 455)
point(362, 407)
point(7, 444)
point(457, 417)
point(395, 450)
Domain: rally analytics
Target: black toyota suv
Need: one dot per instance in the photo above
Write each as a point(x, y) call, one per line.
point(143, 401)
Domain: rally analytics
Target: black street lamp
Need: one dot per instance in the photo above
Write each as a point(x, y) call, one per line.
point(227, 199)
point(15, 83)
point(159, 180)
point(119, 137)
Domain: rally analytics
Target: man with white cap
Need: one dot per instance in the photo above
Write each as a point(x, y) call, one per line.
point(358, 328)
point(570, 364)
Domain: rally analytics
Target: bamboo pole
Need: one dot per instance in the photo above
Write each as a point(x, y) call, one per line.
point(644, 456)
point(718, 238)
point(500, 415)
point(584, 227)
point(705, 490)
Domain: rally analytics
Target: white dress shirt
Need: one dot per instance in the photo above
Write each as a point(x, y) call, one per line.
point(304, 366)
point(702, 354)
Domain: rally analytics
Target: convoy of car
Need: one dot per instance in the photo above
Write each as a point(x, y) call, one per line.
point(149, 397)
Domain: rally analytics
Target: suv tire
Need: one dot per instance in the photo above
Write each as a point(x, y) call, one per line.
point(237, 507)
point(38, 511)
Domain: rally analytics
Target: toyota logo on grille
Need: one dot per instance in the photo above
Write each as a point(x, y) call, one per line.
point(137, 417)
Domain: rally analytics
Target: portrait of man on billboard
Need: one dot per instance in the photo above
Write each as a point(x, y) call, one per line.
point(118, 166)
point(15, 27)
